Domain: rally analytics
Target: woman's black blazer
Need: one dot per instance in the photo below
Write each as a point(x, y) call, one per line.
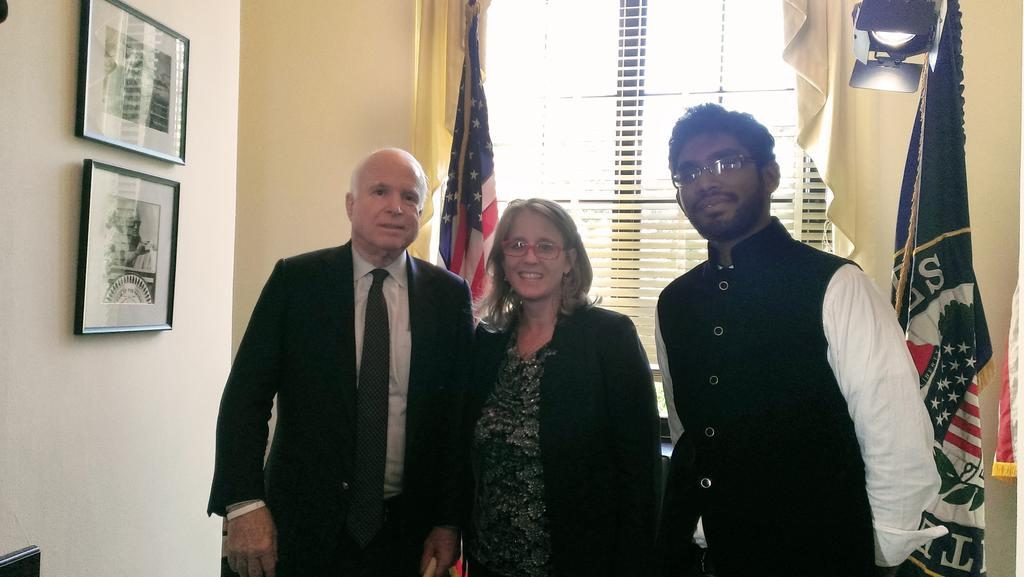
point(599, 437)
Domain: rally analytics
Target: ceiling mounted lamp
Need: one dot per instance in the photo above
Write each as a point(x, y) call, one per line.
point(886, 33)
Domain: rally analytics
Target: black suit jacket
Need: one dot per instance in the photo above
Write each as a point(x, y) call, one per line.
point(599, 436)
point(300, 346)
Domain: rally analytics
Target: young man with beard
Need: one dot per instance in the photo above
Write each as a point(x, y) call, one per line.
point(802, 445)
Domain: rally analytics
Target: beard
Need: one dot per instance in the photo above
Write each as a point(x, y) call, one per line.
point(742, 223)
point(745, 219)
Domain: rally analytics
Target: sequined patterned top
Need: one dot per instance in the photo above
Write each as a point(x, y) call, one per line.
point(512, 534)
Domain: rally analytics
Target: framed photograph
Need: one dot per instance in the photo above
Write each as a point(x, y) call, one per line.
point(132, 81)
point(21, 563)
point(126, 251)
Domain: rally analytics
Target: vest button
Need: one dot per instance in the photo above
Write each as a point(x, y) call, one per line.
point(705, 483)
point(344, 485)
point(709, 432)
point(719, 331)
point(723, 285)
point(713, 379)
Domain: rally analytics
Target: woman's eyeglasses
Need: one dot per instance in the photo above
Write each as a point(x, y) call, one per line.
point(545, 250)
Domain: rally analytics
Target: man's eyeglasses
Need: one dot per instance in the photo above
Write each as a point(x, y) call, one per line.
point(684, 177)
point(544, 249)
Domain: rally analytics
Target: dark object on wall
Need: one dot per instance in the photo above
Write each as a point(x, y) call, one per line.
point(126, 252)
point(3, 10)
point(132, 81)
point(24, 562)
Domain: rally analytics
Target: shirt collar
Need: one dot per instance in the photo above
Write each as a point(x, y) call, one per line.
point(760, 248)
point(397, 268)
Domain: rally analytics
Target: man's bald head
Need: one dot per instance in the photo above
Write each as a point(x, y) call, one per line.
point(390, 153)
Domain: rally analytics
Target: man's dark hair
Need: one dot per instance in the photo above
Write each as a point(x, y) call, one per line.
point(710, 118)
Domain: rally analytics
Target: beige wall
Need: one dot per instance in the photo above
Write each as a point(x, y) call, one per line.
point(321, 86)
point(992, 70)
point(106, 440)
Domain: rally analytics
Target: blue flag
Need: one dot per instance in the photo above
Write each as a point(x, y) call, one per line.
point(938, 303)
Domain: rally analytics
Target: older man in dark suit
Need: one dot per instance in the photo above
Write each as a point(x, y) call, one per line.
point(363, 346)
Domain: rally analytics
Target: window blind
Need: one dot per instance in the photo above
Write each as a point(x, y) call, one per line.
point(583, 95)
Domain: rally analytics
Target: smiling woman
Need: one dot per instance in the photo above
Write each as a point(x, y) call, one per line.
point(535, 263)
point(549, 225)
point(562, 429)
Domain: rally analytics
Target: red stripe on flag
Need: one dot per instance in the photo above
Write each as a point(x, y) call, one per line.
point(966, 426)
point(490, 219)
point(459, 246)
point(479, 278)
point(963, 444)
point(971, 410)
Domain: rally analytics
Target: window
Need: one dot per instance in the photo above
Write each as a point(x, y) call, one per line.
point(582, 97)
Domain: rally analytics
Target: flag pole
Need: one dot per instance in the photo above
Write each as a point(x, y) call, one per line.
point(908, 253)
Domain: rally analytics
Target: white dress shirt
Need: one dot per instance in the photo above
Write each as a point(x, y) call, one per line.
point(396, 293)
point(870, 360)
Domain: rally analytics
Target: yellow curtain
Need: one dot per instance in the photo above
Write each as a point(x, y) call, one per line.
point(440, 49)
point(858, 138)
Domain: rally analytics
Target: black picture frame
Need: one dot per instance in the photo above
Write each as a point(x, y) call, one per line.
point(127, 251)
point(132, 81)
point(21, 563)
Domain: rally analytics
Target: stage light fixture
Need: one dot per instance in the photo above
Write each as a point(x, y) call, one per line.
point(886, 33)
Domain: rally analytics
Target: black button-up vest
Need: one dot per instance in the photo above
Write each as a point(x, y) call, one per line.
point(772, 460)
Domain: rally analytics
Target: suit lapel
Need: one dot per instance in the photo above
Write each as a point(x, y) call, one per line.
point(559, 386)
point(420, 325)
point(488, 353)
point(340, 310)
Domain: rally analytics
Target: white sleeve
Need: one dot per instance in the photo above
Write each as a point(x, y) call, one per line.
point(675, 426)
point(241, 508)
point(871, 362)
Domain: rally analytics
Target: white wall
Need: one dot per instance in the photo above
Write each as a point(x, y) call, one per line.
point(322, 86)
point(106, 441)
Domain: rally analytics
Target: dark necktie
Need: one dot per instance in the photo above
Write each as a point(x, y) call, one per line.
point(366, 509)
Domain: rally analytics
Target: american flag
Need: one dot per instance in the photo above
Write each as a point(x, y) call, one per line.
point(950, 369)
point(939, 305)
point(470, 212)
